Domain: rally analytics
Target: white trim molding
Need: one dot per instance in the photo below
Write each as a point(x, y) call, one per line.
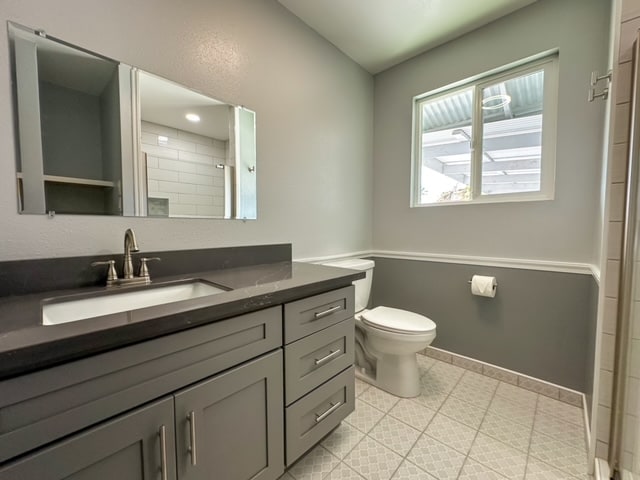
point(523, 264)
point(518, 263)
point(338, 256)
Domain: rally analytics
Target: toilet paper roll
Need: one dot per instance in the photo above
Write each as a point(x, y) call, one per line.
point(484, 286)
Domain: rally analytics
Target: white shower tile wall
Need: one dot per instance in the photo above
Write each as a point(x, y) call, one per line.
point(181, 167)
point(631, 422)
point(502, 432)
point(616, 189)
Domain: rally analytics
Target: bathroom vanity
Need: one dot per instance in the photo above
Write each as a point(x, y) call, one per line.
point(232, 386)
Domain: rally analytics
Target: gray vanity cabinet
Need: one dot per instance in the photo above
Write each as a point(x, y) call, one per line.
point(231, 426)
point(318, 365)
point(135, 446)
point(211, 402)
point(228, 427)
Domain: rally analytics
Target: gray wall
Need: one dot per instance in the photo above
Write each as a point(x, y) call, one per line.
point(592, 329)
point(562, 229)
point(111, 140)
point(71, 132)
point(538, 324)
point(314, 111)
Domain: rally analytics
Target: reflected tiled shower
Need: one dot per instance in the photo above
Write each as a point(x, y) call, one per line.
point(463, 426)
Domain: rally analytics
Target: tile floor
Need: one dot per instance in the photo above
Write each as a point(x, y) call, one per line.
point(463, 426)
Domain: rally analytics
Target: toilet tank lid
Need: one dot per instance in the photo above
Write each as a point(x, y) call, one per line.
point(396, 320)
point(353, 263)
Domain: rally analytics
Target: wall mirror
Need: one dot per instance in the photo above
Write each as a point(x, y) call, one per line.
point(98, 137)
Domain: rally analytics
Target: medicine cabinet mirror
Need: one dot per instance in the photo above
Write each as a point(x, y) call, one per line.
point(98, 137)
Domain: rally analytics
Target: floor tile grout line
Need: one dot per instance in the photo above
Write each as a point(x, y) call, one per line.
point(366, 435)
point(526, 465)
point(504, 417)
point(378, 408)
point(516, 405)
point(560, 420)
point(336, 467)
point(332, 454)
point(557, 417)
point(466, 458)
point(404, 458)
point(560, 439)
point(556, 466)
point(350, 450)
point(423, 432)
point(385, 414)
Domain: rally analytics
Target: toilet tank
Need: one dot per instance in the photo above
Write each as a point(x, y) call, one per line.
point(363, 286)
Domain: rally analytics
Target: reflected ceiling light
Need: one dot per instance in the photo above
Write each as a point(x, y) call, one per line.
point(162, 140)
point(192, 117)
point(495, 102)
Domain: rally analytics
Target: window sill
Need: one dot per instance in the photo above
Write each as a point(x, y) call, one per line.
point(489, 199)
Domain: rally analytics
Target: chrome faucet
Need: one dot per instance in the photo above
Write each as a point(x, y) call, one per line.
point(128, 278)
point(130, 245)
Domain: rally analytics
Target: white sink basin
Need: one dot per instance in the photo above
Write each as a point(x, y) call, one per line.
point(82, 309)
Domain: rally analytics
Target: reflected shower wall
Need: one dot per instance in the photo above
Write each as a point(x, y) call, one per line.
point(185, 172)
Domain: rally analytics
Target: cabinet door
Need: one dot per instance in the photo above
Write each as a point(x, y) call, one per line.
point(136, 446)
point(231, 426)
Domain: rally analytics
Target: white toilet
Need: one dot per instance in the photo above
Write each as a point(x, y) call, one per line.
point(387, 339)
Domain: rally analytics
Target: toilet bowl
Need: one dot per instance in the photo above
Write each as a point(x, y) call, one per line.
point(387, 339)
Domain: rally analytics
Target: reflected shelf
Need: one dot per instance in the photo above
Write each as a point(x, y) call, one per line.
point(75, 180)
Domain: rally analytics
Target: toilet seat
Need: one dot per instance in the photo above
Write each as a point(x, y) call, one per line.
point(395, 320)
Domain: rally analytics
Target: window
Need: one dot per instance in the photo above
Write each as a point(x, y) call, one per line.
point(490, 140)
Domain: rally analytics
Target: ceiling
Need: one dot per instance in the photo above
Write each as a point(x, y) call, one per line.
point(66, 66)
point(166, 103)
point(378, 34)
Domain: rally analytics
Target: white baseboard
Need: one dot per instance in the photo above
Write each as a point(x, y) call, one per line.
point(542, 387)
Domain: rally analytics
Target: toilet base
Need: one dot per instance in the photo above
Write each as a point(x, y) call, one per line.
point(396, 374)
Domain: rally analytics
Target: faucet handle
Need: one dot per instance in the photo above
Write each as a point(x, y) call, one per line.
point(144, 271)
point(112, 275)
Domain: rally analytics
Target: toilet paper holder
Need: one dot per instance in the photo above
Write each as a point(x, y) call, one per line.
point(494, 287)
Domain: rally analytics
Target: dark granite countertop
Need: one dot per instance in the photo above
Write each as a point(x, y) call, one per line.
point(26, 345)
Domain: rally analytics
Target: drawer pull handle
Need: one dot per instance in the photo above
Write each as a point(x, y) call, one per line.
point(163, 452)
point(326, 358)
point(327, 312)
point(191, 418)
point(330, 410)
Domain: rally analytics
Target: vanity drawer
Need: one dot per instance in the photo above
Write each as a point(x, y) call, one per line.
point(46, 405)
point(316, 358)
point(309, 315)
point(316, 414)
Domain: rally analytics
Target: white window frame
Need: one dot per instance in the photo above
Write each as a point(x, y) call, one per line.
point(547, 62)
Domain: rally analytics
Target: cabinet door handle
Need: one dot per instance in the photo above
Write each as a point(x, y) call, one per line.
point(328, 311)
point(163, 452)
point(329, 411)
point(326, 358)
point(191, 418)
